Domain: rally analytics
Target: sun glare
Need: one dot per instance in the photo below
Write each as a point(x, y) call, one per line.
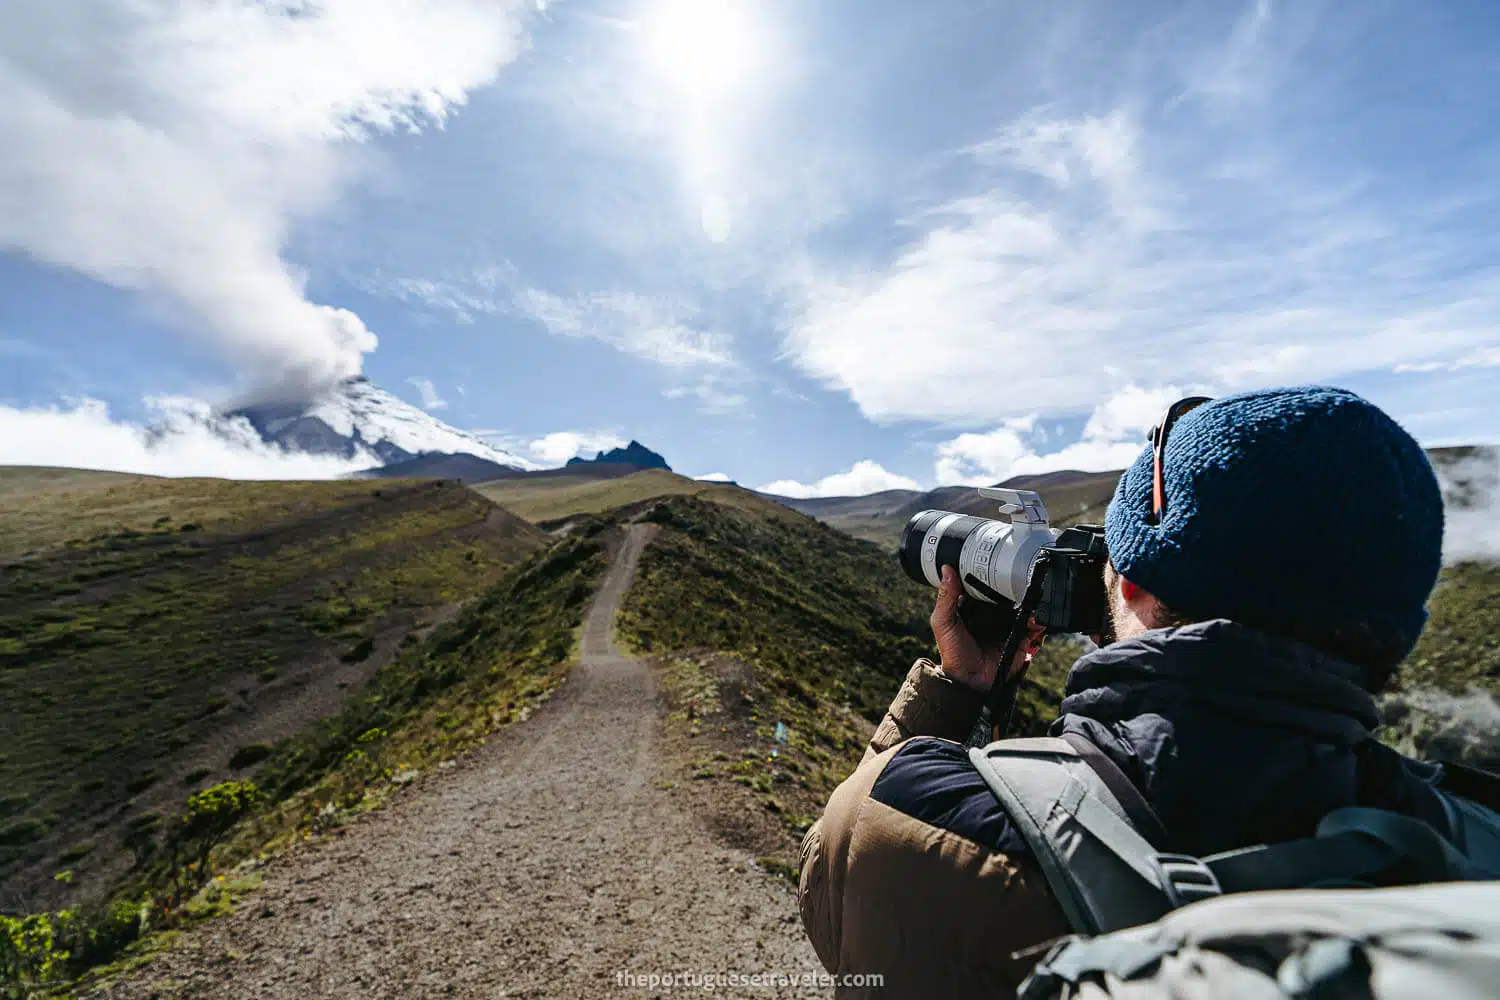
point(704, 47)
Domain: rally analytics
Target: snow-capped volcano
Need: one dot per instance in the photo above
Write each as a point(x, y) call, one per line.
point(360, 418)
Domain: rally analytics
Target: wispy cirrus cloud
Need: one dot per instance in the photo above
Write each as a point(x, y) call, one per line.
point(428, 393)
point(662, 329)
point(714, 393)
point(654, 329)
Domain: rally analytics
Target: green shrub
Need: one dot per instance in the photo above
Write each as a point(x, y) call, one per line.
point(32, 950)
point(209, 817)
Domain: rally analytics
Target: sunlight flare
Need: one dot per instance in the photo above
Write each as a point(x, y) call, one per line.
point(705, 48)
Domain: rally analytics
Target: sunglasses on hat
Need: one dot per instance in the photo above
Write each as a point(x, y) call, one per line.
point(1159, 433)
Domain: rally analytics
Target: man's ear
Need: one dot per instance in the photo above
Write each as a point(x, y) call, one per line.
point(1141, 603)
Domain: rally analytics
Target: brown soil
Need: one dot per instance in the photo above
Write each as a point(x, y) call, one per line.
point(546, 864)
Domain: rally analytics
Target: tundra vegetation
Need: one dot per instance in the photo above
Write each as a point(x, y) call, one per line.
point(142, 620)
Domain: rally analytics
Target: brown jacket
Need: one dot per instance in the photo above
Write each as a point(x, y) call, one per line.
point(906, 875)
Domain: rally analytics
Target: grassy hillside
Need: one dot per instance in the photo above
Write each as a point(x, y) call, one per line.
point(156, 635)
point(541, 498)
point(757, 619)
point(489, 666)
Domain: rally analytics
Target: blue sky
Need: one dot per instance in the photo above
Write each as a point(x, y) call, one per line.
point(832, 246)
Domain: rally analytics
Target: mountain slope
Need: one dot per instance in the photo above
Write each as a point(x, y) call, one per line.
point(151, 629)
point(359, 418)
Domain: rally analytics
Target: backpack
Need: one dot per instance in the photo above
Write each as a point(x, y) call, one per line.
point(1092, 834)
point(1431, 942)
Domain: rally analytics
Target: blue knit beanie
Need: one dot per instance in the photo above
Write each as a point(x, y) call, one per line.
point(1304, 511)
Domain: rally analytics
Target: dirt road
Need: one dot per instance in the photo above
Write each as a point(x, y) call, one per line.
point(547, 864)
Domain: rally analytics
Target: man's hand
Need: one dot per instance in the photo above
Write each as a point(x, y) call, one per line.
point(962, 658)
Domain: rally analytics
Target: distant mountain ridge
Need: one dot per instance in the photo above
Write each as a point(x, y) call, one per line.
point(634, 453)
point(1071, 497)
point(463, 467)
point(1074, 497)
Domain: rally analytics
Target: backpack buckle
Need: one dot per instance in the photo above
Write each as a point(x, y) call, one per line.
point(1184, 879)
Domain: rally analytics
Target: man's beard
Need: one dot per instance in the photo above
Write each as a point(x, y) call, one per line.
point(1111, 632)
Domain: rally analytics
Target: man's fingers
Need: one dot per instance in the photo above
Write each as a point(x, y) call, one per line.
point(947, 601)
point(1036, 634)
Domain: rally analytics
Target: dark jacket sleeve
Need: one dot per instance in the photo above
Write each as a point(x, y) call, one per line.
point(906, 874)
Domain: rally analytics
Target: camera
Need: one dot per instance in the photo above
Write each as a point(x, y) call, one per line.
point(1013, 566)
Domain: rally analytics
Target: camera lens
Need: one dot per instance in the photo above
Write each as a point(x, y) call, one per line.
point(996, 554)
point(934, 539)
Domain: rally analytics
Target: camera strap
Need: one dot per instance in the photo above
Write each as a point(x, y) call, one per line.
point(1001, 703)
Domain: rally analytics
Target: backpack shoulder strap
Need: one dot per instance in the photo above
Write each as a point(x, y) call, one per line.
point(1476, 831)
point(1137, 809)
point(1103, 873)
point(1471, 783)
point(1354, 846)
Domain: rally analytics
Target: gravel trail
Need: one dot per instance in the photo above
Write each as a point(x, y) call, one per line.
point(545, 864)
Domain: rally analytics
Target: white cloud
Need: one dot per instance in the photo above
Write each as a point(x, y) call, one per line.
point(1483, 357)
point(1130, 413)
point(659, 329)
point(559, 446)
point(715, 477)
point(184, 438)
point(167, 147)
point(1097, 251)
point(1471, 516)
point(863, 477)
point(431, 400)
point(654, 329)
point(461, 300)
point(982, 459)
point(1112, 438)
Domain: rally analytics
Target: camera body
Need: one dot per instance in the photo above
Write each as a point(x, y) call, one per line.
point(997, 561)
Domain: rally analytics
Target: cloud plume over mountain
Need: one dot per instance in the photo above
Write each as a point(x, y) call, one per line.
point(167, 148)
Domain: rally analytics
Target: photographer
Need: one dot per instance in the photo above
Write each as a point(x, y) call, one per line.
point(1269, 568)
